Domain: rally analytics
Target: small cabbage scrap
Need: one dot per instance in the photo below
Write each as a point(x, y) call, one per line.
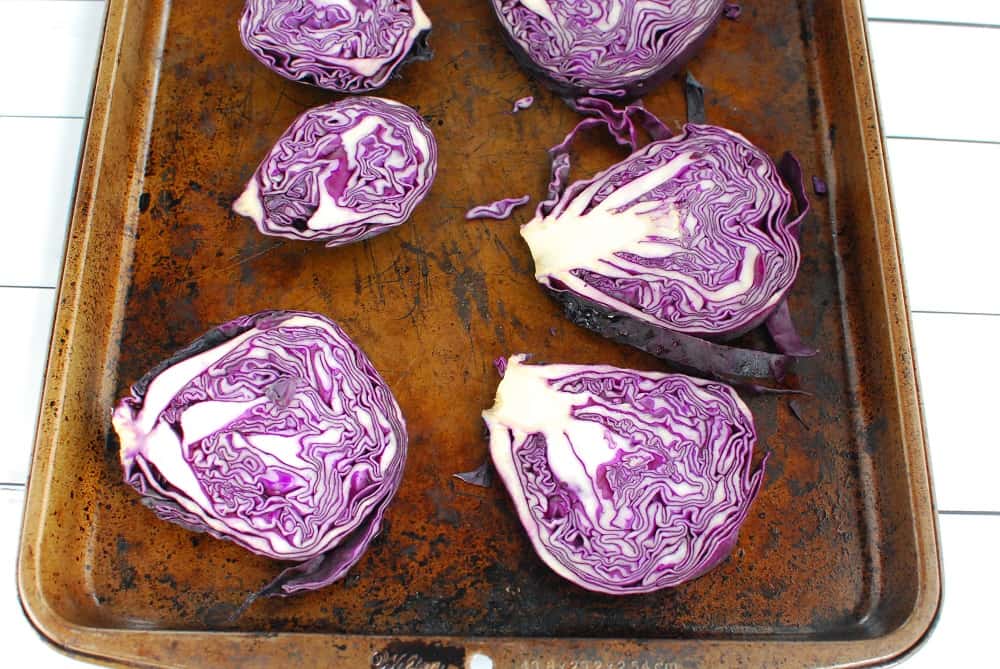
point(499, 210)
point(605, 48)
point(348, 46)
point(522, 103)
point(343, 172)
point(689, 240)
point(626, 482)
point(273, 431)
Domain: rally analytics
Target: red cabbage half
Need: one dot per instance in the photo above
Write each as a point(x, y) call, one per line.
point(691, 239)
point(625, 481)
point(343, 172)
point(349, 46)
point(607, 48)
point(273, 431)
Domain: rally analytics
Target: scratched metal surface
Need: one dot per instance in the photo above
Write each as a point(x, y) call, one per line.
point(433, 302)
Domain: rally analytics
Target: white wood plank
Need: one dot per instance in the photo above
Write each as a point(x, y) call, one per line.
point(964, 635)
point(937, 81)
point(949, 238)
point(26, 341)
point(37, 189)
point(958, 372)
point(48, 51)
point(22, 643)
point(955, 11)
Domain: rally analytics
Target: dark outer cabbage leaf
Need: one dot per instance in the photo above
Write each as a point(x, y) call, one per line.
point(691, 354)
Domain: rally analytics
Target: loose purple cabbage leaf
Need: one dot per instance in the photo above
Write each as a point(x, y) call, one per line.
point(598, 48)
point(498, 210)
point(622, 124)
point(522, 103)
point(348, 47)
point(273, 431)
point(343, 172)
point(694, 96)
point(782, 330)
point(626, 482)
point(689, 353)
point(481, 476)
point(690, 237)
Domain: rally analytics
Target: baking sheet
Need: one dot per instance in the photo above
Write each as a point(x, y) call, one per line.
point(838, 560)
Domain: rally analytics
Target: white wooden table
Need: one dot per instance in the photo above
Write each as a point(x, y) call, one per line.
point(936, 66)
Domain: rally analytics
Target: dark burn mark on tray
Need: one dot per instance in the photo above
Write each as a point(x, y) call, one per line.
point(167, 201)
point(516, 263)
point(469, 286)
point(874, 435)
point(127, 572)
point(218, 615)
point(144, 203)
point(443, 511)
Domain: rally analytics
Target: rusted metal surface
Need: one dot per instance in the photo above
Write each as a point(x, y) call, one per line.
point(838, 562)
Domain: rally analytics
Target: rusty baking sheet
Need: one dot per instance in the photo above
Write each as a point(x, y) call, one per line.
point(838, 562)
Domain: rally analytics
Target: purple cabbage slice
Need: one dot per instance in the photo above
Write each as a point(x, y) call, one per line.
point(625, 481)
point(348, 46)
point(606, 48)
point(343, 172)
point(691, 235)
point(273, 431)
point(499, 210)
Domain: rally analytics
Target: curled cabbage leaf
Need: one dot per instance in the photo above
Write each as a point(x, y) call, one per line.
point(626, 482)
point(607, 48)
point(343, 172)
point(349, 46)
point(498, 210)
point(273, 431)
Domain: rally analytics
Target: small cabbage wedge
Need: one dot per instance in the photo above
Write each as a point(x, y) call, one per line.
point(626, 482)
point(345, 46)
point(273, 431)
